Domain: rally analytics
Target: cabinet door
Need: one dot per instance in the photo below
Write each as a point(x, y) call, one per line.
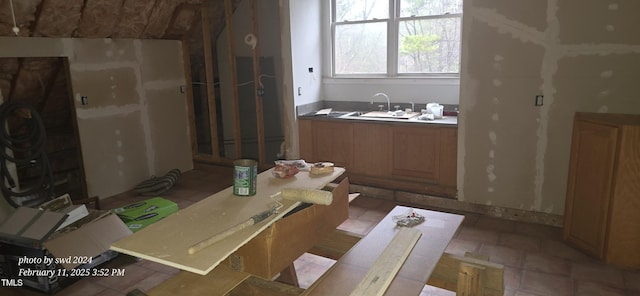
point(371, 148)
point(593, 152)
point(416, 152)
point(332, 141)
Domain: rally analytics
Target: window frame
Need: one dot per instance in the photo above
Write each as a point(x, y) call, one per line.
point(393, 25)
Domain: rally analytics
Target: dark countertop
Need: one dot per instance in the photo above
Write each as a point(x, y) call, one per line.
point(345, 115)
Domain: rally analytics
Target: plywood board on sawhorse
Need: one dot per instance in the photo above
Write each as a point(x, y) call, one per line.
point(168, 240)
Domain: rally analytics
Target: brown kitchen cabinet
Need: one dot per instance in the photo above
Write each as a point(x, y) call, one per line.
point(602, 210)
point(371, 149)
point(416, 153)
point(326, 140)
point(413, 157)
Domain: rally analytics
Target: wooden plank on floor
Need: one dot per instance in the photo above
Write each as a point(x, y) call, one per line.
point(347, 272)
point(385, 268)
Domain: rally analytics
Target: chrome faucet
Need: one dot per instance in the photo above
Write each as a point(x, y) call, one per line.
point(384, 95)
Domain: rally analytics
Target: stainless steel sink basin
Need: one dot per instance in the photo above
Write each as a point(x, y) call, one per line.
point(383, 114)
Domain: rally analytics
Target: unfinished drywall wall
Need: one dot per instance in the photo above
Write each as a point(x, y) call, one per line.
point(135, 122)
point(512, 153)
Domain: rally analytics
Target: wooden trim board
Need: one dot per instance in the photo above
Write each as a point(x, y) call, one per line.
point(380, 275)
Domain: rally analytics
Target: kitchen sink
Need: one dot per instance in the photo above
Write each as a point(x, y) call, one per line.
point(383, 114)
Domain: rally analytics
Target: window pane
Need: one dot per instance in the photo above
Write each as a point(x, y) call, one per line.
point(361, 48)
point(358, 10)
point(429, 46)
point(429, 7)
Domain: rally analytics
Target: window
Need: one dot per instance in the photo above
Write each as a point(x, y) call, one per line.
point(396, 37)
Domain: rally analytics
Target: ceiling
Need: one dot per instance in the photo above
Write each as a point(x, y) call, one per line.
point(141, 19)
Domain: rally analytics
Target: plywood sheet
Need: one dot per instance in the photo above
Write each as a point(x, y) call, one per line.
point(168, 240)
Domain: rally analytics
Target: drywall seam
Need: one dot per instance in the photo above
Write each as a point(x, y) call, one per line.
point(554, 52)
point(599, 49)
point(80, 67)
point(108, 111)
point(144, 112)
point(504, 25)
point(550, 60)
point(550, 42)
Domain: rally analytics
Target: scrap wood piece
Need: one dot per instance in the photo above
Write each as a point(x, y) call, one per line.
point(471, 279)
point(446, 275)
point(385, 268)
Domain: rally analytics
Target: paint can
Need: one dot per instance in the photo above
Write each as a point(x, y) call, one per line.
point(245, 173)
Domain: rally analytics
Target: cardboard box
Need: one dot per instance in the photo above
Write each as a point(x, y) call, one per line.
point(278, 246)
point(89, 240)
point(142, 214)
point(64, 205)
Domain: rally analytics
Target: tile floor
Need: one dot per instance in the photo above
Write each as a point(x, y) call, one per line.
point(536, 260)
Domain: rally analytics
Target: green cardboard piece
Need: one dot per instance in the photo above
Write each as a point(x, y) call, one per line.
point(142, 214)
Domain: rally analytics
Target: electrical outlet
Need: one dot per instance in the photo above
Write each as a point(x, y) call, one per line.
point(538, 102)
point(182, 89)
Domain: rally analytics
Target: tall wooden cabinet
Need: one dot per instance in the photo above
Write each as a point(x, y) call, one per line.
point(602, 211)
